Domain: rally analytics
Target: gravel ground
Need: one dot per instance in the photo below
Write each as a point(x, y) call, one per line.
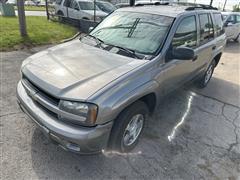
point(194, 134)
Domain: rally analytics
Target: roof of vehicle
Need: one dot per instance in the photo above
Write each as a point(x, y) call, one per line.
point(227, 13)
point(166, 10)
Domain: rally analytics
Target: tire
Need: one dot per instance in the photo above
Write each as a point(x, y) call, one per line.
point(120, 138)
point(204, 80)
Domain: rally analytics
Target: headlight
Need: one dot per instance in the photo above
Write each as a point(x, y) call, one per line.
point(86, 110)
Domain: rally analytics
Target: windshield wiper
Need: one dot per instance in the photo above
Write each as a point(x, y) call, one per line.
point(100, 42)
point(129, 51)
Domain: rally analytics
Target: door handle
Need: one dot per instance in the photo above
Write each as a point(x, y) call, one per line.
point(214, 47)
point(195, 58)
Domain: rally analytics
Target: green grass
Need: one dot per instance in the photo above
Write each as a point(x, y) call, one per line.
point(33, 8)
point(40, 31)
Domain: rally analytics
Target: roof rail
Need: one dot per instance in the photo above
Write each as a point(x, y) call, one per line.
point(199, 6)
point(148, 4)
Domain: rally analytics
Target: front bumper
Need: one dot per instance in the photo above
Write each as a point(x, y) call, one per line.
point(84, 140)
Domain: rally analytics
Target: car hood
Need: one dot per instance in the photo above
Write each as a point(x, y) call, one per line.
point(75, 71)
point(98, 13)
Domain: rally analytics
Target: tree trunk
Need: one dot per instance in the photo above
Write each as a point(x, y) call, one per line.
point(21, 18)
point(224, 5)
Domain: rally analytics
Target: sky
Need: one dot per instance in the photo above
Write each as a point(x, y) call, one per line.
point(218, 3)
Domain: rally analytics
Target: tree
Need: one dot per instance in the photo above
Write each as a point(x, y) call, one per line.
point(236, 8)
point(224, 5)
point(21, 18)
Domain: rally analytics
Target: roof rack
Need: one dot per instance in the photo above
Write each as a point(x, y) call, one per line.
point(193, 6)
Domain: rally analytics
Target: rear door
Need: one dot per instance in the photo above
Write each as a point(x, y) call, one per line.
point(207, 44)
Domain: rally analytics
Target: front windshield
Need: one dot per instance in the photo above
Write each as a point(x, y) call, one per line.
point(141, 32)
point(87, 5)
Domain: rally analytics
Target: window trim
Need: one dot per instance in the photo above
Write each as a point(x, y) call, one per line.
point(169, 38)
point(215, 23)
point(209, 39)
point(196, 25)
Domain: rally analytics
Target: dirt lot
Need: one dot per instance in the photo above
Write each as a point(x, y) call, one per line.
point(194, 134)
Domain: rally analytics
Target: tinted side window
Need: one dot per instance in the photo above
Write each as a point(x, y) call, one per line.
point(211, 28)
point(218, 26)
point(231, 19)
point(206, 28)
point(186, 34)
point(237, 18)
point(74, 5)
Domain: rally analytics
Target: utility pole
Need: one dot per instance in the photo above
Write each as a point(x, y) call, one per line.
point(21, 18)
point(46, 6)
point(224, 5)
point(94, 16)
point(132, 2)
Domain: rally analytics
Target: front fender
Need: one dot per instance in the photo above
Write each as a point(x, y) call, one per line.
point(110, 113)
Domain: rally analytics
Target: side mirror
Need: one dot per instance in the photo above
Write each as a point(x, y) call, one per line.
point(90, 29)
point(182, 53)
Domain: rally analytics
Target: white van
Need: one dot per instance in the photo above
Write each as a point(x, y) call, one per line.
point(78, 9)
point(232, 25)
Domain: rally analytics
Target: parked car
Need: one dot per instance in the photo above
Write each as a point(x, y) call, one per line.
point(232, 25)
point(105, 6)
point(121, 5)
point(78, 9)
point(29, 3)
point(97, 92)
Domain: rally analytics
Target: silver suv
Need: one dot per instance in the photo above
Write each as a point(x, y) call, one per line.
point(97, 92)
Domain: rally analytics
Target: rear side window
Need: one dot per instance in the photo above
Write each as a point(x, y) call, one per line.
point(186, 34)
point(218, 26)
point(67, 3)
point(206, 28)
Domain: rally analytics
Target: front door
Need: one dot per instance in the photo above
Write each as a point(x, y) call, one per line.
point(73, 10)
point(175, 72)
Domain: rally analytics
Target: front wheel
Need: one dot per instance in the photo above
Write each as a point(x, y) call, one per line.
point(204, 80)
point(128, 127)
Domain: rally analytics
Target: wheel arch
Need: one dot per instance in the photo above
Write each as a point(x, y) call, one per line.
point(217, 58)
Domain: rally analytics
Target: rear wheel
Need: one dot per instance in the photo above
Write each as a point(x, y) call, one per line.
point(204, 80)
point(128, 127)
